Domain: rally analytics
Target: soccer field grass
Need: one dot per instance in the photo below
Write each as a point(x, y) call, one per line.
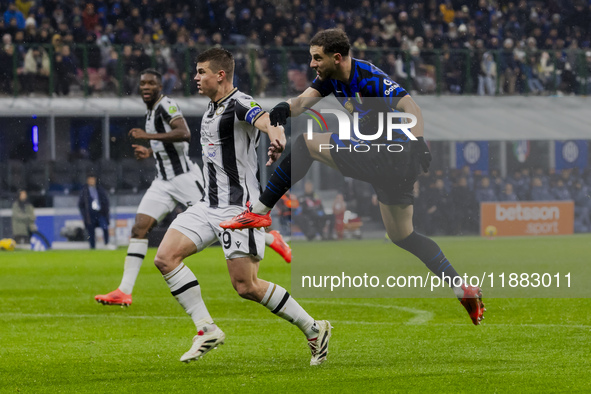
point(55, 338)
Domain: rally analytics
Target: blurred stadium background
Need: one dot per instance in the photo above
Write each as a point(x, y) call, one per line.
point(503, 86)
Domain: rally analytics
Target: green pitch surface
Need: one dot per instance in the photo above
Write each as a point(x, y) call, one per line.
point(55, 338)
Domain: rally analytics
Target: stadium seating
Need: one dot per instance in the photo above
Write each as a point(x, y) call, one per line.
point(16, 175)
point(81, 169)
point(130, 175)
point(60, 177)
point(37, 177)
point(108, 175)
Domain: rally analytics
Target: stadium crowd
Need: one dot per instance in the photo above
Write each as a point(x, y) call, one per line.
point(476, 47)
point(449, 203)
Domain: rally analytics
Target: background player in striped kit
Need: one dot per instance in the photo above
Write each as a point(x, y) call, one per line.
point(179, 180)
point(230, 135)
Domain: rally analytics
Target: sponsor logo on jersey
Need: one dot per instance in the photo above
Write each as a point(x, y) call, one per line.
point(172, 109)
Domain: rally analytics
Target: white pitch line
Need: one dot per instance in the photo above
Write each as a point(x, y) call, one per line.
point(421, 316)
point(102, 316)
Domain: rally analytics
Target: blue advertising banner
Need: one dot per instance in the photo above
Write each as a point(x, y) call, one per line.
point(473, 154)
point(571, 154)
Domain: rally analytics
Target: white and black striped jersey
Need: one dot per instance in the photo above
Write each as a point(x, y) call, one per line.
point(229, 141)
point(172, 158)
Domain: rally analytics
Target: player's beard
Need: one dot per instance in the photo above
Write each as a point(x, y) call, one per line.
point(151, 99)
point(325, 74)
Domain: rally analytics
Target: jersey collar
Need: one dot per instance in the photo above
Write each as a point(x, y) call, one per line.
point(352, 74)
point(156, 102)
point(227, 96)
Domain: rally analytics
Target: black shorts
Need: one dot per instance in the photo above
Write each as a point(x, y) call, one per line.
point(392, 174)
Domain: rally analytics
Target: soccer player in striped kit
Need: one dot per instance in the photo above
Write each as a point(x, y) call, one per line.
point(179, 180)
point(230, 133)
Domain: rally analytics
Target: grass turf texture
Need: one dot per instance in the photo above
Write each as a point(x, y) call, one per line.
point(55, 338)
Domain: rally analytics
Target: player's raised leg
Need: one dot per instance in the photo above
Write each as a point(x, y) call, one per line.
point(186, 290)
point(136, 252)
point(243, 273)
point(398, 222)
point(275, 241)
point(286, 174)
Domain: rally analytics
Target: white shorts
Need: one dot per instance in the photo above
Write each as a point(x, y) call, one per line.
point(201, 224)
point(162, 196)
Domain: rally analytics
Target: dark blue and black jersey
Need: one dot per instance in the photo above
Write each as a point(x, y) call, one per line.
point(365, 81)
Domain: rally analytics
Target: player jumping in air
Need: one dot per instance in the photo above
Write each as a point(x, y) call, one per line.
point(229, 136)
point(179, 180)
point(392, 175)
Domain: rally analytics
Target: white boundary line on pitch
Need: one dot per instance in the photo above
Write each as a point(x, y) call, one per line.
point(421, 316)
point(82, 316)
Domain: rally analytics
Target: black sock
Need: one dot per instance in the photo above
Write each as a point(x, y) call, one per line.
point(430, 254)
point(281, 179)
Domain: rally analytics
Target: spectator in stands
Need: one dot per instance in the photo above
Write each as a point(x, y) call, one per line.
point(438, 208)
point(530, 71)
point(509, 67)
point(487, 78)
point(560, 30)
point(12, 13)
point(90, 18)
point(66, 66)
point(425, 72)
point(485, 192)
point(452, 72)
point(464, 208)
point(539, 192)
point(497, 182)
point(36, 69)
point(404, 70)
point(582, 200)
point(507, 194)
point(23, 218)
point(94, 209)
point(6, 64)
point(339, 207)
point(310, 216)
point(560, 191)
point(585, 78)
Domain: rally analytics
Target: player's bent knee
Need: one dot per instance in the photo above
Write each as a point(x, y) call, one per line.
point(245, 290)
point(166, 262)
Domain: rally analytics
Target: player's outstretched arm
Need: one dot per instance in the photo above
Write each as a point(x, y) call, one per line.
point(408, 105)
point(294, 107)
point(276, 136)
point(179, 132)
point(141, 152)
point(418, 148)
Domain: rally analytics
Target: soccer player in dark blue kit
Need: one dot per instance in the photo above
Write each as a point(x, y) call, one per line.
point(392, 175)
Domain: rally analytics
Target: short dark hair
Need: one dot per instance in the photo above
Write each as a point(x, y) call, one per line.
point(219, 59)
point(153, 72)
point(332, 41)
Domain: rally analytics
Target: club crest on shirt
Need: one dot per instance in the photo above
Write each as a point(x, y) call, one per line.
point(220, 109)
point(349, 106)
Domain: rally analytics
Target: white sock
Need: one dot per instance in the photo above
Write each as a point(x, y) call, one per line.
point(260, 208)
point(136, 251)
point(278, 301)
point(269, 239)
point(185, 288)
point(458, 291)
